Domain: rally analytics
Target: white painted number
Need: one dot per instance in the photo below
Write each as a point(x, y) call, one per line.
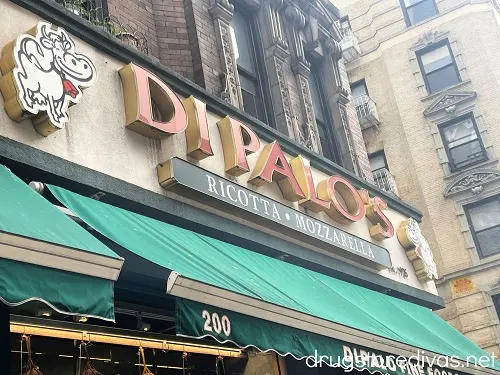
point(206, 315)
point(226, 325)
point(214, 323)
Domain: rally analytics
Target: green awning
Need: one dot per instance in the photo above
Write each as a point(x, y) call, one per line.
point(46, 256)
point(193, 319)
point(65, 292)
point(295, 292)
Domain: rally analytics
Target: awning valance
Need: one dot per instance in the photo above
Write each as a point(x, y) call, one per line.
point(46, 256)
point(220, 274)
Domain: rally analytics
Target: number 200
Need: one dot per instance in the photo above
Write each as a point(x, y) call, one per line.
point(215, 324)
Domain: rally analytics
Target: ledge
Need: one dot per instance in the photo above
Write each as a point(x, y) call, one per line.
point(108, 44)
point(434, 95)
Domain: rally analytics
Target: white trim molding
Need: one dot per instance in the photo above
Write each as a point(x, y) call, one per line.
point(28, 250)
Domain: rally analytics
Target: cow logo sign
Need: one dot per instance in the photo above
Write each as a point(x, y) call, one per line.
point(417, 249)
point(42, 75)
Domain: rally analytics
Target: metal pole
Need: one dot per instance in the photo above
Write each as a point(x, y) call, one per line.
point(5, 353)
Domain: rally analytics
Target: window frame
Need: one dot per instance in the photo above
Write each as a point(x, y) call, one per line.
point(378, 153)
point(406, 16)
point(434, 46)
point(261, 77)
point(328, 125)
point(473, 232)
point(443, 126)
point(362, 81)
point(496, 304)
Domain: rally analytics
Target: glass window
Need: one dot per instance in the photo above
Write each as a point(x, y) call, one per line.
point(462, 143)
point(322, 118)
point(484, 222)
point(359, 89)
point(377, 161)
point(439, 68)
point(418, 10)
point(242, 36)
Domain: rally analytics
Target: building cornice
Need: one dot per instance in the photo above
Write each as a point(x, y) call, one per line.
point(111, 46)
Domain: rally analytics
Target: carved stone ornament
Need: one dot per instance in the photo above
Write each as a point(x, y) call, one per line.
point(470, 180)
point(285, 95)
point(418, 250)
point(449, 101)
point(429, 38)
point(331, 46)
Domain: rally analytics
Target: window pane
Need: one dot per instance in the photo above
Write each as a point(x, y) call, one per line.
point(436, 59)
point(485, 216)
point(421, 11)
point(377, 162)
point(466, 154)
point(251, 101)
point(358, 90)
point(316, 98)
point(442, 78)
point(242, 42)
point(489, 242)
point(460, 133)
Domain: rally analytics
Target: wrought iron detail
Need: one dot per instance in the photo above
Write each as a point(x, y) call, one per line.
point(94, 12)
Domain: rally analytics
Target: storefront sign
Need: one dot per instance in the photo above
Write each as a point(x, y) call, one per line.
point(179, 173)
point(198, 320)
point(463, 285)
point(42, 75)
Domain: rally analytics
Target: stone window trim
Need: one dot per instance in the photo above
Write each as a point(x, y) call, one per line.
point(222, 13)
point(482, 157)
point(425, 42)
point(445, 116)
point(492, 293)
point(470, 199)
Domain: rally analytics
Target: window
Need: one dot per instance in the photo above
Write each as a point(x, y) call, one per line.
point(415, 11)
point(243, 37)
point(323, 123)
point(496, 301)
point(462, 142)
point(381, 175)
point(378, 161)
point(484, 223)
point(438, 67)
point(360, 94)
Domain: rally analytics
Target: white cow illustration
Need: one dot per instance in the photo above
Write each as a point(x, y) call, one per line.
point(49, 74)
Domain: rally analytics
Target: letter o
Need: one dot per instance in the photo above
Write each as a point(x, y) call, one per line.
point(355, 209)
point(244, 194)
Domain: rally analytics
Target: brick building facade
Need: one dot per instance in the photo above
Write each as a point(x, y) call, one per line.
point(425, 79)
point(286, 40)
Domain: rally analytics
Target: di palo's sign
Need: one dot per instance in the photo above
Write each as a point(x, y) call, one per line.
point(43, 74)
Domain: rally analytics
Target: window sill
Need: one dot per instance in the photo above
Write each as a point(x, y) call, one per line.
point(482, 164)
point(478, 265)
point(451, 88)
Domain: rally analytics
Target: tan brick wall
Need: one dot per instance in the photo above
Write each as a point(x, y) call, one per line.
point(406, 137)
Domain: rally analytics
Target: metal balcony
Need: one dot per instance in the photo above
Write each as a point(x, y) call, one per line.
point(366, 111)
point(349, 44)
point(94, 12)
point(385, 181)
